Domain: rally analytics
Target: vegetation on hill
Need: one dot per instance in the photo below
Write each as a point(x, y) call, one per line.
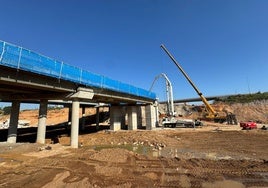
point(244, 98)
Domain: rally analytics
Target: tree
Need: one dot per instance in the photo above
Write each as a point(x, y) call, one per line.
point(7, 110)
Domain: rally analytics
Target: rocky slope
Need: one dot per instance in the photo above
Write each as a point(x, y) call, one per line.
point(256, 111)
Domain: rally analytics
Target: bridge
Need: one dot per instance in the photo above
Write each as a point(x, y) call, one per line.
point(27, 76)
point(198, 99)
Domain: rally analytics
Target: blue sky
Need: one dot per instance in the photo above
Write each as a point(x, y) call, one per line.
point(221, 44)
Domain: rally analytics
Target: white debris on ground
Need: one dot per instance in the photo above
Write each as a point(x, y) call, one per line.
point(21, 124)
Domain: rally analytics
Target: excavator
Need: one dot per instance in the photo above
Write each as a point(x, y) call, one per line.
point(210, 114)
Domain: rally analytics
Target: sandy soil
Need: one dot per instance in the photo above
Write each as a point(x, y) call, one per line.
point(211, 156)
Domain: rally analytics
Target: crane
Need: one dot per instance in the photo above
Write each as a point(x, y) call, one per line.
point(212, 114)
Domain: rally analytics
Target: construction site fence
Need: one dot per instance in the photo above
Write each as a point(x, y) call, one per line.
point(20, 58)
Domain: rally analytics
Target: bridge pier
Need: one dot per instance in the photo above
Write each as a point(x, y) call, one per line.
point(13, 122)
point(115, 118)
point(83, 118)
point(75, 123)
point(140, 116)
point(132, 117)
point(70, 114)
point(151, 116)
point(123, 117)
point(80, 95)
point(41, 130)
point(97, 118)
point(156, 114)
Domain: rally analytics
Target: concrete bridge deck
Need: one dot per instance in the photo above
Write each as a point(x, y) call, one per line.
point(27, 76)
point(33, 74)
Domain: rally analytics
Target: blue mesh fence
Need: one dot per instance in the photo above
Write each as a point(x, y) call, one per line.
point(20, 58)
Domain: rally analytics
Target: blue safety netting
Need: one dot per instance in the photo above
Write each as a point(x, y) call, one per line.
point(17, 57)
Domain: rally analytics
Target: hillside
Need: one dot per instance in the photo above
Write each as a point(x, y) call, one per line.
point(244, 98)
point(256, 110)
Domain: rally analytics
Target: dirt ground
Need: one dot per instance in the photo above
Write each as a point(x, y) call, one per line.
point(211, 156)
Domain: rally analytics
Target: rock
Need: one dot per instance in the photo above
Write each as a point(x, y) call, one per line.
point(48, 147)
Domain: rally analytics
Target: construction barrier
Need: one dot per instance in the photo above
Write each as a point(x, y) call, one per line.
point(20, 58)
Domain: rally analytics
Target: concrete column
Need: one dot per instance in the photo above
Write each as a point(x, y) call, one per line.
point(75, 124)
point(97, 118)
point(132, 117)
point(83, 118)
point(139, 116)
point(41, 130)
point(150, 117)
point(70, 114)
point(123, 111)
point(156, 114)
point(13, 122)
point(115, 118)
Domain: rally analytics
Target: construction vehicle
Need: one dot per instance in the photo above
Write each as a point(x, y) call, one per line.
point(169, 91)
point(210, 113)
point(169, 119)
point(248, 125)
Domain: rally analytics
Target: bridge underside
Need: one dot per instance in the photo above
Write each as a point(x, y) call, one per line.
point(29, 87)
point(18, 86)
point(28, 77)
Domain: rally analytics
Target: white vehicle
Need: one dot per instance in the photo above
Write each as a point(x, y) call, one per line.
point(180, 122)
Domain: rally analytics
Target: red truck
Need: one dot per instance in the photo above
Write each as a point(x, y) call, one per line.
point(248, 125)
